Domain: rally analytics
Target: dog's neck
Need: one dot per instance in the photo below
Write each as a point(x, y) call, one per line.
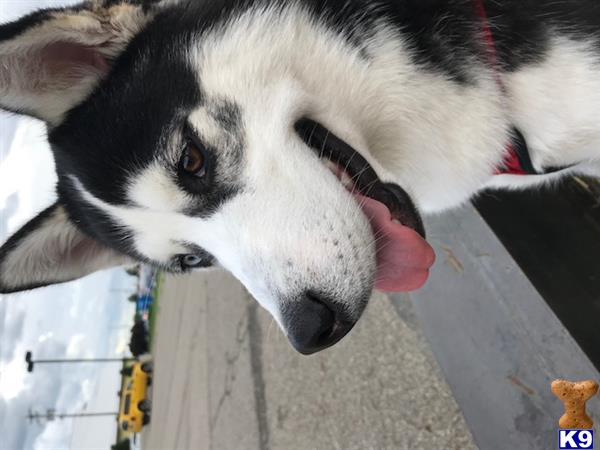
point(439, 137)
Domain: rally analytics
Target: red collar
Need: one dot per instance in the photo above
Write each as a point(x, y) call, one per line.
point(516, 160)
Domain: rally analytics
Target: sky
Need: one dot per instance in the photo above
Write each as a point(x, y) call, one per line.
point(83, 319)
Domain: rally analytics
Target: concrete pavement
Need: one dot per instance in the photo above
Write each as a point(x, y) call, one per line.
point(226, 378)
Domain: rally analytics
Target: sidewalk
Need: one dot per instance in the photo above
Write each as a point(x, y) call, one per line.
point(226, 378)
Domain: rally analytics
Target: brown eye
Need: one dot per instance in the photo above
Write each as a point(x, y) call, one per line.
point(193, 160)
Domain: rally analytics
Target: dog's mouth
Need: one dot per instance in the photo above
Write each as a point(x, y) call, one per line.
point(403, 256)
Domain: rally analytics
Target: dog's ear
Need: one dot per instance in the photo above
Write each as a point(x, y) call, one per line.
point(50, 249)
point(51, 60)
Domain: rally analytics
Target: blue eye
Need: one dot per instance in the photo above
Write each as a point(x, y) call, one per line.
point(191, 261)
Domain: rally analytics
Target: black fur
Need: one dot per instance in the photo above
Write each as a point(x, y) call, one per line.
point(446, 34)
point(439, 32)
point(13, 29)
point(523, 28)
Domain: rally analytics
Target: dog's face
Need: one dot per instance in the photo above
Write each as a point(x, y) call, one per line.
point(159, 161)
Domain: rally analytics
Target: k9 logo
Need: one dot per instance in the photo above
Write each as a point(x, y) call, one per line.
point(575, 439)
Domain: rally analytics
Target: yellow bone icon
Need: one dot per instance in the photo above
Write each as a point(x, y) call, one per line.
point(574, 396)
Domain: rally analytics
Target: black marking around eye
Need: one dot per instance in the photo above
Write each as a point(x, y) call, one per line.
point(221, 180)
point(224, 160)
point(205, 258)
point(228, 116)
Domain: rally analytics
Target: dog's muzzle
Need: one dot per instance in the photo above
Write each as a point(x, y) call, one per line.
point(364, 177)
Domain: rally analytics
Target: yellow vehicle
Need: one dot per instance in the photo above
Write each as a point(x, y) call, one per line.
point(134, 411)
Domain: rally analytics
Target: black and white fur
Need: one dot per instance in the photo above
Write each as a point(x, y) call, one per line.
point(407, 83)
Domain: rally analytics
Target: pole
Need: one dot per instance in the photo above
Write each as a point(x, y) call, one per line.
point(55, 361)
point(96, 414)
point(51, 415)
point(31, 362)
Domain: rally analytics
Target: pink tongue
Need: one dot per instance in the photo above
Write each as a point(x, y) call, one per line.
point(403, 256)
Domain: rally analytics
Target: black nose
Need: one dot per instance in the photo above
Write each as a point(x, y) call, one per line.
point(313, 322)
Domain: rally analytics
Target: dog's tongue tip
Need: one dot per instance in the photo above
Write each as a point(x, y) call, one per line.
point(403, 256)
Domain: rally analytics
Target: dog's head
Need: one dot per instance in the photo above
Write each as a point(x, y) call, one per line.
point(165, 156)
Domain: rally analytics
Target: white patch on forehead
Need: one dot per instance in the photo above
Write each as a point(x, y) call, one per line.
point(205, 124)
point(155, 188)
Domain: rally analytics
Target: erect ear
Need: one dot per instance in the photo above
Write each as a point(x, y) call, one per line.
point(50, 249)
point(52, 59)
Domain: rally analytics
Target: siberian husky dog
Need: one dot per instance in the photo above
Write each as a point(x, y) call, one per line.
point(291, 142)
